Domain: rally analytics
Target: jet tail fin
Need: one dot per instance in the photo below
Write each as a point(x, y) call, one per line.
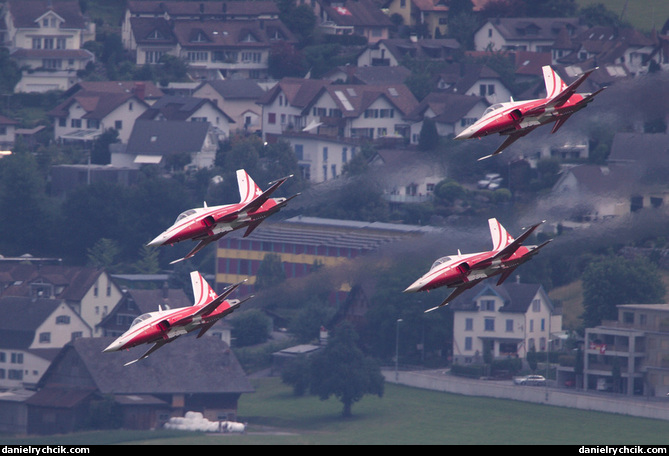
point(515, 244)
point(500, 237)
point(248, 190)
point(557, 91)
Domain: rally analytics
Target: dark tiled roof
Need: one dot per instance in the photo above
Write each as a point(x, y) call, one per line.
point(186, 365)
point(534, 28)
point(174, 107)
point(209, 9)
point(20, 317)
point(517, 296)
point(158, 137)
point(75, 281)
point(230, 34)
point(25, 12)
point(299, 92)
point(143, 29)
point(150, 89)
point(448, 107)
point(358, 13)
point(236, 89)
point(96, 104)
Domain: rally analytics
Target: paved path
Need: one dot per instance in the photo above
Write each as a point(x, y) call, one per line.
point(441, 380)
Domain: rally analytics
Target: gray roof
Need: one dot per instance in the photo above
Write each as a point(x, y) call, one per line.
point(517, 296)
point(186, 365)
point(156, 137)
point(20, 317)
point(236, 89)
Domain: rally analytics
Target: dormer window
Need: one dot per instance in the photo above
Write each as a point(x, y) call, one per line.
point(155, 35)
point(200, 37)
point(249, 38)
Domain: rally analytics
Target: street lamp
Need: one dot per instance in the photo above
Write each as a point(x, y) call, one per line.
point(397, 348)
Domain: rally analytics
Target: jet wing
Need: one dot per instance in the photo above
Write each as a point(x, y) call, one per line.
point(513, 137)
point(513, 246)
point(207, 326)
point(155, 347)
point(457, 292)
point(262, 198)
point(200, 245)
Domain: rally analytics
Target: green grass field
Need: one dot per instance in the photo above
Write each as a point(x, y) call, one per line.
point(403, 416)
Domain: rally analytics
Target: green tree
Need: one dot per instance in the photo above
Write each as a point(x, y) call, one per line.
point(614, 280)
point(429, 138)
point(104, 254)
point(342, 370)
point(270, 272)
point(101, 155)
point(250, 327)
point(10, 74)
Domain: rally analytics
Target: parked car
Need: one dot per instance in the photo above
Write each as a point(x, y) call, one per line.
point(491, 181)
point(532, 380)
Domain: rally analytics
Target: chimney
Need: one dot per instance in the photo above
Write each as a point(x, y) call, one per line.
point(140, 90)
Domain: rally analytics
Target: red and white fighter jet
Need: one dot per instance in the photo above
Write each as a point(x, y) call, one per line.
point(208, 224)
point(165, 325)
point(516, 119)
point(463, 271)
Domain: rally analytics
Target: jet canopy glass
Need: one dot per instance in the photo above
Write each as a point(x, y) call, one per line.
point(185, 214)
point(440, 261)
point(492, 108)
point(140, 319)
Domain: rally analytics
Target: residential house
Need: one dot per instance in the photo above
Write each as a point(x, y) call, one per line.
point(190, 109)
point(611, 46)
point(189, 374)
point(87, 114)
point(629, 355)
point(213, 49)
point(345, 110)
point(90, 292)
point(351, 17)
point(232, 49)
point(32, 331)
point(450, 112)
point(46, 39)
point(7, 133)
point(321, 157)
point(169, 143)
point(533, 34)
point(399, 51)
point(237, 97)
point(285, 105)
point(507, 320)
point(146, 91)
point(186, 10)
point(474, 79)
point(406, 177)
point(430, 17)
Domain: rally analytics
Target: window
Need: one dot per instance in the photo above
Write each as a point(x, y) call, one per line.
point(62, 122)
point(118, 124)
point(333, 168)
point(63, 320)
point(93, 123)
point(489, 324)
point(75, 123)
point(153, 56)
point(325, 172)
point(344, 155)
point(536, 305)
point(17, 358)
point(469, 324)
point(271, 118)
point(509, 325)
point(543, 324)
point(52, 64)
point(468, 343)
point(531, 325)
point(37, 43)
point(61, 43)
point(48, 43)
point(44, 338)
point(130, 106)
point(325, 154)
point(299, 151)
point(488, 305)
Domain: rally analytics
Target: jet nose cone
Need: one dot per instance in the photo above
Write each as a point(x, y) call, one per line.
point(159, 240)
point(414, 287)
point(114, 346)
point(465, 134)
